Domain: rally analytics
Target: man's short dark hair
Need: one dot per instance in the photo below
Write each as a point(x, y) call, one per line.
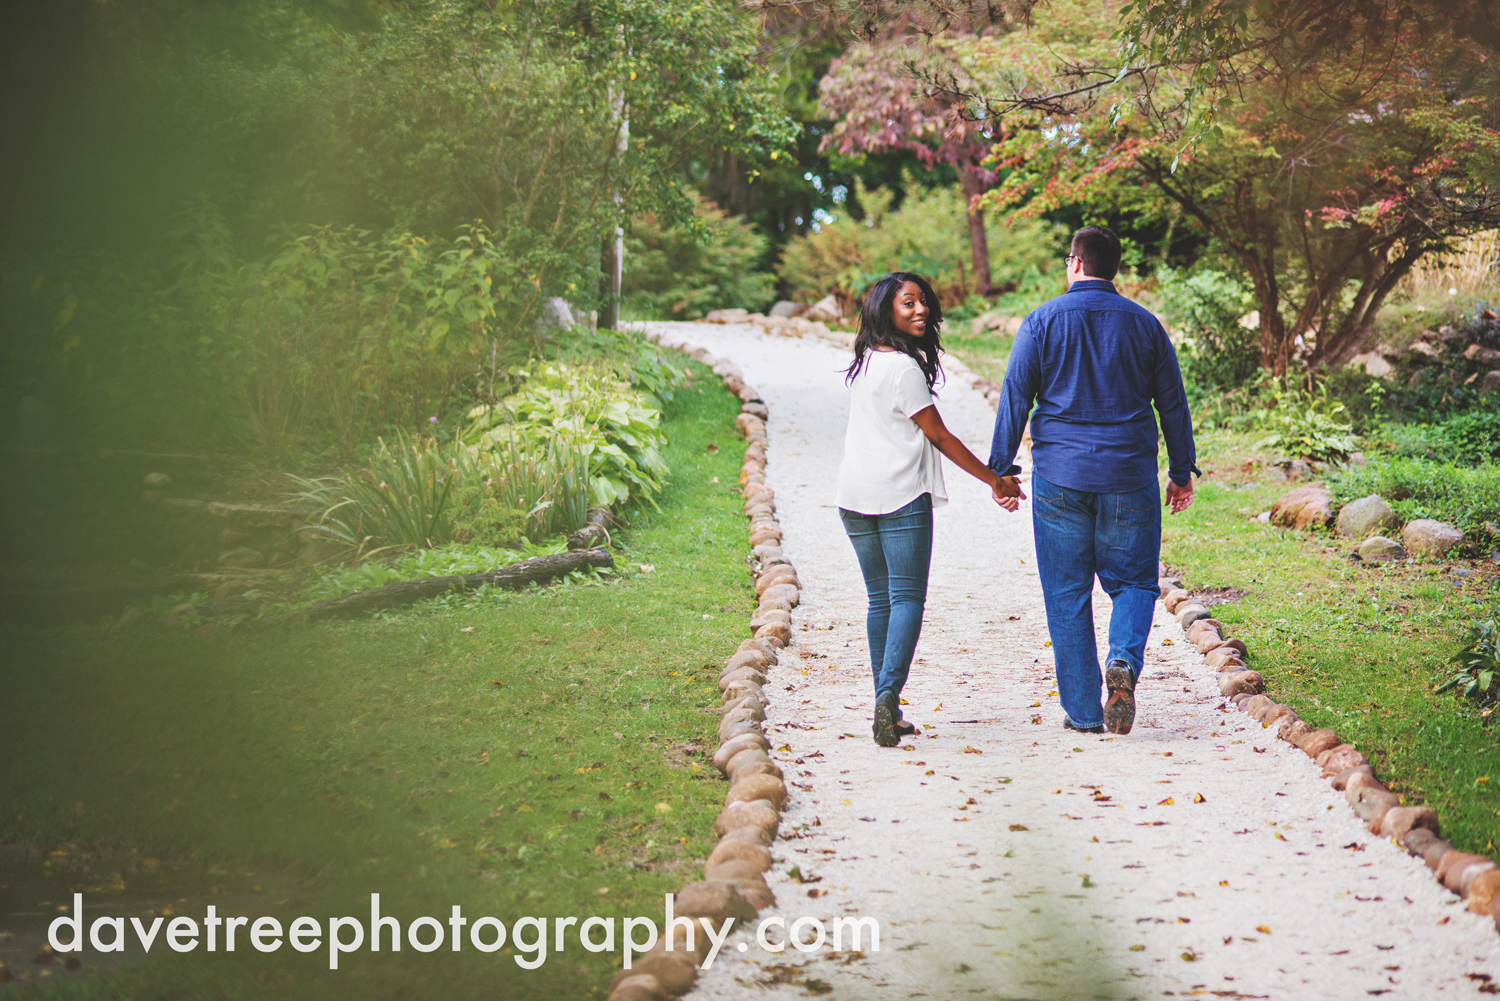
point(1099, 250)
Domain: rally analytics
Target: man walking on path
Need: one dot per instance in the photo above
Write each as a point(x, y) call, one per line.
point(1094, 363)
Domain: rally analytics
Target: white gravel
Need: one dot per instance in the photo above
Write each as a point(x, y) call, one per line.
point(1050, 864)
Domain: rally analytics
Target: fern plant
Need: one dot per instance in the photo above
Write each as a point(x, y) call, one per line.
point(1478, 672)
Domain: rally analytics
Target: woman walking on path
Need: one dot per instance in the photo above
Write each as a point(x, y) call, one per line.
point(891, 478)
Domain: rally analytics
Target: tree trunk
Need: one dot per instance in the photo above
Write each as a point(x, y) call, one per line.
point(537, 569)
point(979, 241)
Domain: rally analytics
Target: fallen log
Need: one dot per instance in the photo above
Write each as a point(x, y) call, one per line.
point(537, 569)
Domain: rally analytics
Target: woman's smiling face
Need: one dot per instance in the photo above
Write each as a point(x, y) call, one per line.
point(909, 310)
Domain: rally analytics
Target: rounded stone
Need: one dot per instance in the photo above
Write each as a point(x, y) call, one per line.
point(748, 787)
point(1241, 683)
point(775, 632)
point(1435, 852)
point(718, 901)
point(1317, 742)
point(729, 731)
point(1253, 705)
point(746, 708)
point(674, 971)
point(740, 674)
point(744, 758)
point(1222, 658)
point(1341, 780)
point(1379, 549)
point(1429, 537)
point(1174, 598)
point(750, 658)
point(747, 813)
point(740, 689)
point(750, 835)
point(1365, 517)
point(768, 604)
point(1402, 820)
point(732, 849)
point(1188, 614)
point(779, 572)
point(735, 745)
point(763, 647)
point(638, 987)
point(785, 592)
point(1484, 891)
point(1292, 729)
point(1341, 757)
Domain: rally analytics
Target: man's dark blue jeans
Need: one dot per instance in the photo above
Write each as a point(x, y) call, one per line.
point(895, 551)
point(1078, 535)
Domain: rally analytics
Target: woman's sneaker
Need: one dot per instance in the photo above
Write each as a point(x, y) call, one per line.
point(1119, 710)
point(887, 714)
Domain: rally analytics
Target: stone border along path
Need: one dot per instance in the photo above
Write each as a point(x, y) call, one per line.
point(1198, 856)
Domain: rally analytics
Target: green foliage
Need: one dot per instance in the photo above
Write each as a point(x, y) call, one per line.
point(927, 234)
point(1418, 488)
point(682, 272)
point(1309, 425)
point(1473, 438)
point(1217, 352)
point(1478, 672)
point(449, 560)
point(595, 413)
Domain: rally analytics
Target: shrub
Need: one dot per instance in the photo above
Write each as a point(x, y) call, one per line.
point(609, 423)
point(1310, 425)
point(1217, 351)
point(1418, 488)
point(1478, 671)
point(927, 234)
point(683, 272)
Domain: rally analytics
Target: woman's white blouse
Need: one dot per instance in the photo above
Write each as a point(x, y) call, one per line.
point(888, 461)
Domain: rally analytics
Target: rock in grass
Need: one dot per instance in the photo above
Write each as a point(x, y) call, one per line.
point(716, 900)
point(786, 592)
point(1435, 852)
point(777, 573)
point(1371, 805)
point(1236, 645)
point(1341, 780)
point(744, 758)
point(1191, 612)
point(1319, 741)
point(750, 835)
point(775, 602)
point(1292, 729)
point(756, 659)
point(1417, 840)
point(1484, 891)
point(1379, 549)
point(1365, 517)
point(776, 632)
point(1359, 777)
point(763, 647)
point(1303, 508)
point(740, 674)
point(674, 971)
point(749, 787)
point(1276, 714)
point(768, 616)
point(739, 851)
point(743, 742)
point(763, 535)
point(1336, 760)
point(1240, 683)
point(755, 813)
point(1254, 705)
point(638, 987)
point(1221, 658)
point(1402, 820)
point(1431, 538)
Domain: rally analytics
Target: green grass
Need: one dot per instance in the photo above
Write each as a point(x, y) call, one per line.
point(986, 352)
point(326, 762)
point(1353, 647)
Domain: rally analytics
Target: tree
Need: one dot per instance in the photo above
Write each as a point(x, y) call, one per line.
point(879, 106)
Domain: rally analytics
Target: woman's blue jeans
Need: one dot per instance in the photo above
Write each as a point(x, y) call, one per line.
point(895, 551)
point(1078, 535)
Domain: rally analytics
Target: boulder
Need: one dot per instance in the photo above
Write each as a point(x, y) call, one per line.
point(1480, 353)
point(825, 310)
point(716, 900)
point(1302, 508)
point(637, 987)
point(1490, 383)
point(743, 742)
point(1402, 820)
point(1484, 891)
point(1432, 538)
point(731, 849)
point(1240, 683)
point(1365, 517)
point(754, 813)
point(748, 787)
point(1317, 742)
point(1341, 780)
point(675, 971)
point(1379, 549)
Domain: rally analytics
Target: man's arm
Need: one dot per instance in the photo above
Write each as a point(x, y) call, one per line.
point(1170, 397)
point(1023, 380)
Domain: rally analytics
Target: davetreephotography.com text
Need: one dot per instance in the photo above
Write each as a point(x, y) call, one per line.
point(531, 939)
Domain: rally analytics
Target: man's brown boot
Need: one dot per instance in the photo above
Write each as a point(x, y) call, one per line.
point(1119, 710)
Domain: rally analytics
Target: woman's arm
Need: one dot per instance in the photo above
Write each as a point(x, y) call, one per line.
point(1006, 491)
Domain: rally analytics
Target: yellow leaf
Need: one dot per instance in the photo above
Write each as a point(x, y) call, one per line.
point(1263, 929)
point(1198, 798)
point(1137, 948)
point(844, 802)
point(1166, 802)
point(1035, 705)
point(448, 843)
point(663, 808)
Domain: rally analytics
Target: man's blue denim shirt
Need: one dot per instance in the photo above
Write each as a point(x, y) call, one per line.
point(1094, 363)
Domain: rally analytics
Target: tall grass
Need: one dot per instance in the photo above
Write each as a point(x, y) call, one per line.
point(1415, 488)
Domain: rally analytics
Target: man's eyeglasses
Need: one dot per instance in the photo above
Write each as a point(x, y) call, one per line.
point(1071, 257)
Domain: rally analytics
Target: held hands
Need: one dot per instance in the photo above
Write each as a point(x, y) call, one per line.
point(1178, 498)
point(1007, 492)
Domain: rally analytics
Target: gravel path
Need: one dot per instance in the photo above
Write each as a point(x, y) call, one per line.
point(1007, 858)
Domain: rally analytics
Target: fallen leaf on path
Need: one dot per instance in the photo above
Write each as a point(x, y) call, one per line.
point(1166, 802)
point(1035, 705)
point(1019, 827)
point(1137, 948)
point(1198, 798)
point(972, 750)
point(1263, 929)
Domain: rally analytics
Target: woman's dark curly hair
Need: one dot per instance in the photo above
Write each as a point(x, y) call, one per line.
point(877, 326)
